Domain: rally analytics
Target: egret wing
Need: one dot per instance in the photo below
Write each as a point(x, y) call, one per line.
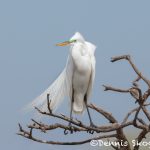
point(91, 49)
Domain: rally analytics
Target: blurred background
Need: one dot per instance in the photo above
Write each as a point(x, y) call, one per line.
point(30, 61)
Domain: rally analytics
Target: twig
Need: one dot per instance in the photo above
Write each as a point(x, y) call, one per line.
point(110, 88)
point(128, 58)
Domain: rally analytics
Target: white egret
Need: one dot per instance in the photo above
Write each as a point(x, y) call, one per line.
point(75, 81)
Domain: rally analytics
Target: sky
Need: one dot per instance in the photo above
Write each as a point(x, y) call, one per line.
point(30, 61)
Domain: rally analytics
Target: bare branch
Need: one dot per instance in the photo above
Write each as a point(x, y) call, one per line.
point(110, 88)
point(140, 137)
point(104, 113)
point(31, 137)
point(113, 129)
point(128, 58)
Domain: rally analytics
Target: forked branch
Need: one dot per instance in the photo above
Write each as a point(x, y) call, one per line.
point(113, 130)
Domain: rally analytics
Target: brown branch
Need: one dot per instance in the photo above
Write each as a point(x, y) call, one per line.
point(129, 114)
point(107, 115)
point(44, 127)
point(27, 135)
point(110, 88)
point(146, 95)
point(112, 130)
point(128, 58)
point(106, 128)
point(146, 112)
point(140, 137)
point(137, 79)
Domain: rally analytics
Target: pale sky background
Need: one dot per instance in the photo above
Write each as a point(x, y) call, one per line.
point(30, 61)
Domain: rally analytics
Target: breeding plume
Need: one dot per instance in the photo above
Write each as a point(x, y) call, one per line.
point(75, 81)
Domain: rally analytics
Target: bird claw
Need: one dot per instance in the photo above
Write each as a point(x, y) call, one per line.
point(65, 131)
point(71, 129)
point(91, 131)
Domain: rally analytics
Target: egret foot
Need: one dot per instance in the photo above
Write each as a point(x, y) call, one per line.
point(91, 131)
point(71, 129)
point(93, 125)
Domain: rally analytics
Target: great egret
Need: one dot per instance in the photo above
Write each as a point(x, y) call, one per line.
point(75, 81)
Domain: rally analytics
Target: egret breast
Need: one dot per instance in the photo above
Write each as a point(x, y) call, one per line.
point(81, 76)
point(81, 79)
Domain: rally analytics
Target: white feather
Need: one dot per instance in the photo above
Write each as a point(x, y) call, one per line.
point(91, 49)
point(83, 73)
point(57, 91)
point(70, 78)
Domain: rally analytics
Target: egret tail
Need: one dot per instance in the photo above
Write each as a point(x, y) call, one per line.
point(57, 91)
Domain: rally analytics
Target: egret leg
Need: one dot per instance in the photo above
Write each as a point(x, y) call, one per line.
point(70, 125)
point(91, 122)
point(71, 112)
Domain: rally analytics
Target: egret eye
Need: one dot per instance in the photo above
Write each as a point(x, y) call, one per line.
point(72, 41)
point(75, 41)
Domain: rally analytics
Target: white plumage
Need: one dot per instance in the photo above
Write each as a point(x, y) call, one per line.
point(75, 81)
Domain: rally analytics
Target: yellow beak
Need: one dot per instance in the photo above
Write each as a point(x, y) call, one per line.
point(63, 43)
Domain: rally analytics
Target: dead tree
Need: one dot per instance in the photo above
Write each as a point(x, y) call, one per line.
point(114, 130)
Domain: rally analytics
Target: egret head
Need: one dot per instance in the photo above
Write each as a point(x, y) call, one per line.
point(77, 37)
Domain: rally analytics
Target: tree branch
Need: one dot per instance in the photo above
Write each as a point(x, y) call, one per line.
point(112, 130)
